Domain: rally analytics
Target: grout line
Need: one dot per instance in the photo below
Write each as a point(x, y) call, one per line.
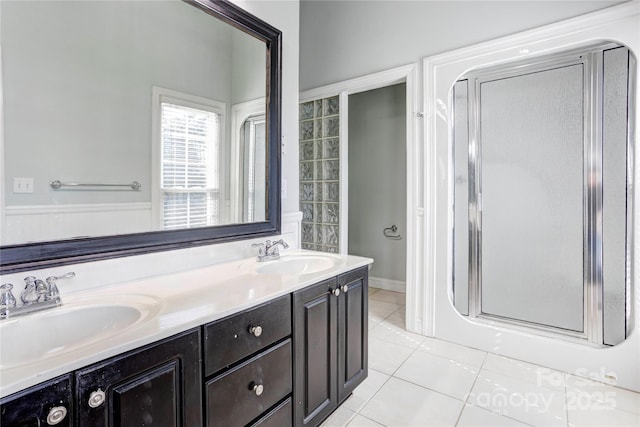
point(374, 394)
point(371, 419)
point(481, 407)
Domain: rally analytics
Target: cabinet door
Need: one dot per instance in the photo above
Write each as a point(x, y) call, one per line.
point(315, 330)
point(156, 386)
point(352, 331)
point(49, 403)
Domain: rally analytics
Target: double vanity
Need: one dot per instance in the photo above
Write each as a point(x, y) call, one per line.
point(273, 343)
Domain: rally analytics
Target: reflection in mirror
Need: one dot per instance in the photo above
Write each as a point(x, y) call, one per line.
point(131, 108)
point(115, 92)
point(252, 149)
point(542, 219)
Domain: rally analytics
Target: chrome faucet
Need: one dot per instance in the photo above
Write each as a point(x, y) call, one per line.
point(269, 250)
point(37, 295)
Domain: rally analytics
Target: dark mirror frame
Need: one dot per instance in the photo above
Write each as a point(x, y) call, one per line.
point(15, 258)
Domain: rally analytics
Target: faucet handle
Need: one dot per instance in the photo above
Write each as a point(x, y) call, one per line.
point(52, 279)
point(6, 296)
point(260, 247)
point(52, 288)
point(30, 292)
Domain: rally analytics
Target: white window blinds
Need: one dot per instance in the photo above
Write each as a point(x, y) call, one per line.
point(190, 140)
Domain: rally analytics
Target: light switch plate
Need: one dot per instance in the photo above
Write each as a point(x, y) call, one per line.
point(23, 185)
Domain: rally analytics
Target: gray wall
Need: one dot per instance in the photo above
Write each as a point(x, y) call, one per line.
point(361, 37)
point(377, 178)
point(77, 80)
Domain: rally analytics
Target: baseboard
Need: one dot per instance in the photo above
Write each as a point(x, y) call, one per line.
point(387, 284)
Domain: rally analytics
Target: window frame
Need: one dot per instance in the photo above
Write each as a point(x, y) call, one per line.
point(160, 95)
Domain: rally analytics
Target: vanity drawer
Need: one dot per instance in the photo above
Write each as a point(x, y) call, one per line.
point(280, 416)
point(231, 339)
point(235, 398)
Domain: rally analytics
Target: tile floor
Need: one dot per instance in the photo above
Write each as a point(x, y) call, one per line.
point(419, 381)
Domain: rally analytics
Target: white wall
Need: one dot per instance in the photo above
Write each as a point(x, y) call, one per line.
point(345, 39)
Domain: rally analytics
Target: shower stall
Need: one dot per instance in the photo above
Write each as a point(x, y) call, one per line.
point(542, 200)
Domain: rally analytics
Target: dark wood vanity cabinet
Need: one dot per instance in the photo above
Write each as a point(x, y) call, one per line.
point(49, 403)
point(158, 385)
point(289, 361)
point(331, 344)
point(248, 361)
point(353, 331)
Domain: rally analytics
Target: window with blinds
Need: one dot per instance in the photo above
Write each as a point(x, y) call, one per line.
point(189, 183)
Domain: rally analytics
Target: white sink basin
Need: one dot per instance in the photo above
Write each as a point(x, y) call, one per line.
point(297, 265)
point(60, 330)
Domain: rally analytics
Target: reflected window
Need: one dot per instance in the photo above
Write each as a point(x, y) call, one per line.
point(254, 150)
point(190, 140)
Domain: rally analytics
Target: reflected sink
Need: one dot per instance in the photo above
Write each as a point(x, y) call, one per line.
point(296, 265)
point(63, 329)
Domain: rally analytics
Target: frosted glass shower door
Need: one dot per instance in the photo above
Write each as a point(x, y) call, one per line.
point(530, 171)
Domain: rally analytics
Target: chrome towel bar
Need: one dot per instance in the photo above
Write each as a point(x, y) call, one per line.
point(57, 185)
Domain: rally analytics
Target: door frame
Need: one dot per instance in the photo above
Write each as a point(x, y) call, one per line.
point(414, 234)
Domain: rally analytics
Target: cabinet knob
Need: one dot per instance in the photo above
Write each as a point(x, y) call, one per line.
point(258, 389)
point(336, 292)
point(256, 331)
point(56, 415)
point(96, 398)
point(345, 288)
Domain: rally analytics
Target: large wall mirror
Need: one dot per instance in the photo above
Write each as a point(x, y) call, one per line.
point(136, 126)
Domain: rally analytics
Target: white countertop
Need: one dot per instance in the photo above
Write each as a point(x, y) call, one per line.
point(170, 304)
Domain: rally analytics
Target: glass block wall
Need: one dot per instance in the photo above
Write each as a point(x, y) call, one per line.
point(320, 174)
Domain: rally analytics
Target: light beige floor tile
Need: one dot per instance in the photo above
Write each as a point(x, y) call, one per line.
point(519, 399)
point(533, 374)
point(385, 356)
point(389, 332)
point(381, 309)
point(396, 320)
point(401, 312)
point(340, 418)
point(360, 421)
point(579, 389)
point(469, 356)
point(473, 416)
point(365, 391)
point(373, 321)
point(595, 414)
point(399, 403)
point(372, 290)
point(446, 376)
point(399, 298)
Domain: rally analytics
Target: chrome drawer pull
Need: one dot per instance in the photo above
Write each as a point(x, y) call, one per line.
point(96, 398)
point(345, 289)
point(258, 389)
point(256, 331)
point(336, 292)
point(56, 415)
